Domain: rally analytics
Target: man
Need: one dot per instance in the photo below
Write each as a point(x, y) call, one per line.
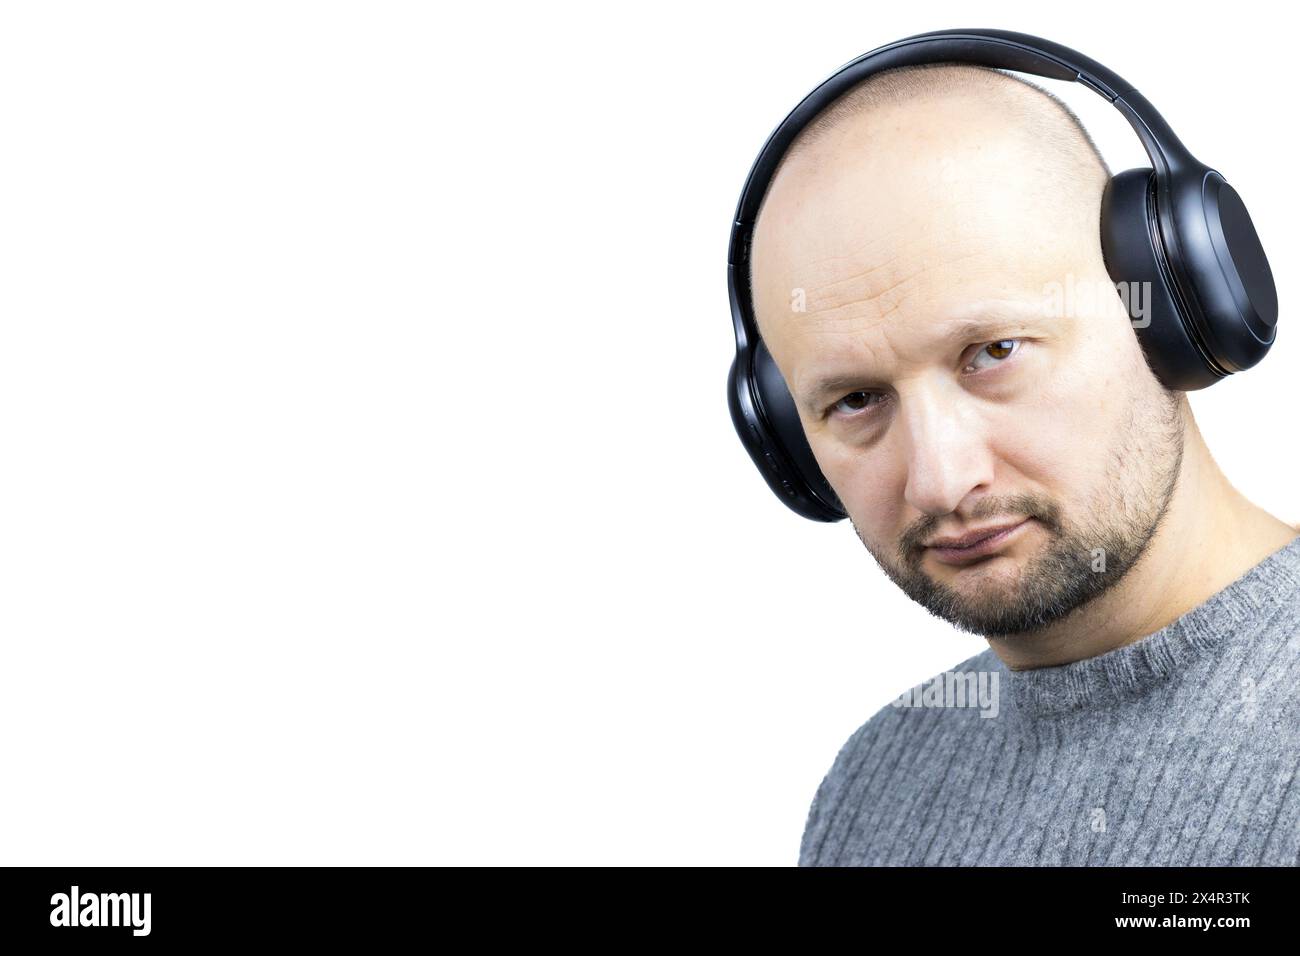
point(1142, 616)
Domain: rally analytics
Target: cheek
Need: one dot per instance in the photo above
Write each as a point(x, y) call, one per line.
point(1063, 437)
point(869, 484)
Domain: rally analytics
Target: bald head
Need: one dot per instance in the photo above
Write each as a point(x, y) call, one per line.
point(928, 185)
point(1056, 139)
point(1045, 116)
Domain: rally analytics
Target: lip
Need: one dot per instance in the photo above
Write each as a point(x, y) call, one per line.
point(979, 544)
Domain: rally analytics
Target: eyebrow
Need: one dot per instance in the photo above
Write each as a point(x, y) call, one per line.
point(987, 328)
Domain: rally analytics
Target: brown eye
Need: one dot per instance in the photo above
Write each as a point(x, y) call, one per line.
point(855, 402)
point(998, 351)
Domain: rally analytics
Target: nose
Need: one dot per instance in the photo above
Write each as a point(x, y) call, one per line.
point(948, 456)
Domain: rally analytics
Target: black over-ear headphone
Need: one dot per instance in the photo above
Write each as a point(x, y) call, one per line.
point(1177, 225)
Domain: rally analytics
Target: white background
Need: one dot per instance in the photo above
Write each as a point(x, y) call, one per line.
point(369, 490)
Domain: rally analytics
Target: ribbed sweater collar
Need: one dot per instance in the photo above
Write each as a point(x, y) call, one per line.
point(1237, 612)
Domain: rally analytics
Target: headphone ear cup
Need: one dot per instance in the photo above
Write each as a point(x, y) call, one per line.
point(1135, 259)
point(1222, 261)
point(793, 454)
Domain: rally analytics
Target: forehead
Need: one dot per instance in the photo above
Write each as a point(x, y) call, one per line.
point(881, 213)
point(901, 180)
point(831, 283)
point(873, 257)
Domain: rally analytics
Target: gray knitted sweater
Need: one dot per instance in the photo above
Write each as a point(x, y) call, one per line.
point(1179, 749)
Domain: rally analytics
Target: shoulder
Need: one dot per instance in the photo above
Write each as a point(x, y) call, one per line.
point(904, 717)
point(877, 747)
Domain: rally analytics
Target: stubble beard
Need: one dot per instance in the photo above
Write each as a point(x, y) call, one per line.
point(1081, 559)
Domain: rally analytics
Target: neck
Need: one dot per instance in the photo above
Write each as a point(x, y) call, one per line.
point(1210, 536)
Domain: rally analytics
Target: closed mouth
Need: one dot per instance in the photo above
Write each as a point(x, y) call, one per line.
point(977, 545)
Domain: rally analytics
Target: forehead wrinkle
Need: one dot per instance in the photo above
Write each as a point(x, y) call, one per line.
point(884, 299)
point(863, 238)
point(863, 347)
point(882, 310)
